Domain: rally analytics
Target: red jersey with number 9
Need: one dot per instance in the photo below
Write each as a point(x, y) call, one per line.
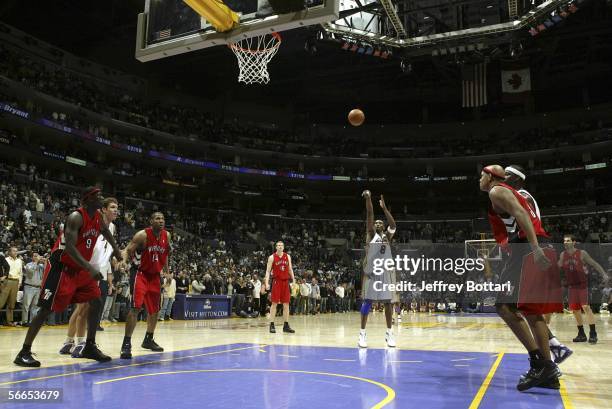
point(86, 240)
point(280, 267)
point(154, 256)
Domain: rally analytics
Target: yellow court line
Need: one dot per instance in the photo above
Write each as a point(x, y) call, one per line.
point(485, 384)
point(41, 378)
point(388, 399)
point(567, 403)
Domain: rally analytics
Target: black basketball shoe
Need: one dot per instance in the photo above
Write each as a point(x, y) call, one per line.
point(91, 351)
point(541, 373)
point(148, 343)
point(126, 351)
point(581, 337)
point(26, 359)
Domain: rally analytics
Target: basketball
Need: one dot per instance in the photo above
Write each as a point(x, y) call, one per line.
point(356, 117)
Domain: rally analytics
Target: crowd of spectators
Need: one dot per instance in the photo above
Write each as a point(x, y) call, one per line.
point(99, 96)
point(218, 252)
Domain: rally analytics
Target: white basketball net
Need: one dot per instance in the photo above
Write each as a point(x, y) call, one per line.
point(253, 56)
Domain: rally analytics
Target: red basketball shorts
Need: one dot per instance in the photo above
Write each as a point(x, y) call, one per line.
point(577, 297)
point(146, 291)
point(540, 291)
point(63, 285)
point(281, 293)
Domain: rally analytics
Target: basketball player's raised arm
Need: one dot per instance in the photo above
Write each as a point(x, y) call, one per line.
point(391, 226)
point(290, 268)
point(138, 242)
point(586, 258)
point(71, 235)
point(268, 270)
point(504, 200)
point(369, 215)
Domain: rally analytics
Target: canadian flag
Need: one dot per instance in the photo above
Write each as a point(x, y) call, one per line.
point(516, 81)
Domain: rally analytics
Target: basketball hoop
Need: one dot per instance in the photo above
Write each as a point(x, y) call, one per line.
point(253, 56)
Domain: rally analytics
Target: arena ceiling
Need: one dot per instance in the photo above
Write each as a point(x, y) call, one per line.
point(313, 70)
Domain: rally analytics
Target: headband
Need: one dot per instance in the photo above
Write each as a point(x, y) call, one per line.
point(516, 172)
point(489, 170)
point(89, 193)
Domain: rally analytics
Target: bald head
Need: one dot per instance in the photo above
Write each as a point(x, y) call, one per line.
point(495, 170)
point(490, 176)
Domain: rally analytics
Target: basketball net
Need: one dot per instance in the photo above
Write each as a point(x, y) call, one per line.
point(253, 56)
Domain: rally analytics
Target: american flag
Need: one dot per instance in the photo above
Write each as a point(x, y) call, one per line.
point(474, 83)
point(164, 34)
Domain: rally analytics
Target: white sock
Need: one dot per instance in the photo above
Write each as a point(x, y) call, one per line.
point(554, 342)
point(69, 340)
point(81, 340)
point(389, 330)
point(362, 332)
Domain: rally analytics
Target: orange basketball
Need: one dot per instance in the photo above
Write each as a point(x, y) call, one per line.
point(356, 117)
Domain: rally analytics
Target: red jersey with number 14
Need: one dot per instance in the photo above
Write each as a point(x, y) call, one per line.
point(86, 240)
point(280, 267)
point(154, 256)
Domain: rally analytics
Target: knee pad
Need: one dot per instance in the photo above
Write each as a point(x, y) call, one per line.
point(365, 307)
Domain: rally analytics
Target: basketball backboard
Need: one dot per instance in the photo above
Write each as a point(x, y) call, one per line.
point(171, 27)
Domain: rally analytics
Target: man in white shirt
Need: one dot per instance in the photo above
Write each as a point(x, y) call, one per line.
point(169, 293)
point(27, 216)
point(34, 271)
point(304, 293)
point(197, 287)
point(256, 292)
point(340, 294)
point(10, 284)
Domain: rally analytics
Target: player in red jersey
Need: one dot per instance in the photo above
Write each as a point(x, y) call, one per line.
point(154, 244)
point(573, 262)
point(279, 264)
point(515, 178)
point(69, 277)
point(505, 201)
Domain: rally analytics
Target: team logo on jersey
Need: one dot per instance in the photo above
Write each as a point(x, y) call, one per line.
point(90, 233)
point(156, 248)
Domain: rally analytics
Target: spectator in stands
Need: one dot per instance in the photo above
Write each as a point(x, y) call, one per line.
point(295, 296)
point(11, 284)
point(340, 300)
point(31, 287)
point(168, 295)
point(314, 296)
point(256, 292)
point(323, 294)
point(196, 286)
point(182, 283)
point(304, 297)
